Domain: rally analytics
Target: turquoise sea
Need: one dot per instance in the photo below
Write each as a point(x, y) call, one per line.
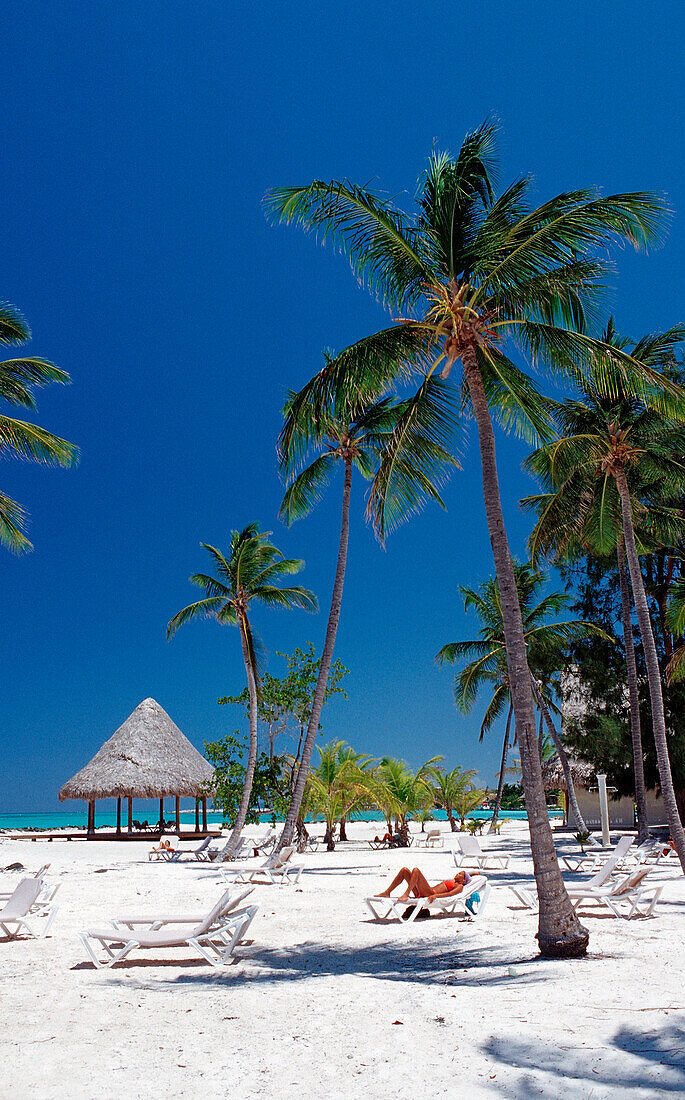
point(78, 819)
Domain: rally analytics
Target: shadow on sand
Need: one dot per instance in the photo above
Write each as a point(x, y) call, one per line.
point(655, 1065)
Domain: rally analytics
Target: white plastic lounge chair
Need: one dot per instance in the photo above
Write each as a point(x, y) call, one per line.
point(199, 853)
point(265, 844)
point(25, 902)
point(590, 861)
point(472, 855)
point(407, 911)
point(165, 853)
point(214, 937)
point(215, 855)
point(47, 892)
point(649, 852)
point(277, 869)
point(231, 904)
point(528, 896)
point(638, 898)
point(432, 838)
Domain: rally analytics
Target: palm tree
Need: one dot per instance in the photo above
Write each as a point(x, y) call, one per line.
point(400, 793)
point(564, 532)
point(363, 766)
point(18, 378)
point(351, 429)
point(478, 271)
point(468, 799)
point(447, 788)
point(623, 431)
point(249, 573)
point(546, 643)
point(337, 785)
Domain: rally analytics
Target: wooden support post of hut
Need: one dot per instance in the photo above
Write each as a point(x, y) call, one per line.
point(147, 757)
point(197, 815)
point(178, 813)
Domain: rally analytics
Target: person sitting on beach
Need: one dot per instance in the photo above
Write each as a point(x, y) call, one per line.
point(418, 885)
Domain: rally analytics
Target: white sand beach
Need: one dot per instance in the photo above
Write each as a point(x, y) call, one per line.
point(322, 1001)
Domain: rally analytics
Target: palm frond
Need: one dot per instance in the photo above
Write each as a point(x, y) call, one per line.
point(201, 609)
point(385, 250)
point(415, 461)
point(34, 444)
point(12, 524)
point(306, 490)
point(13, 327)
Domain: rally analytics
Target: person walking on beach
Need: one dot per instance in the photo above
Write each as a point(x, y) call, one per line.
point(418, 885)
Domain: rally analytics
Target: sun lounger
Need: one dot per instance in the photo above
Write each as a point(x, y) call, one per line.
point(471, 854)
point(200, 853)
point(432, 838)
point(629, 891)
point(167, 852)
point(528, 895)
point(215, 855)
point(23, 903)
point(231, 904)
point(649, 852)
point(589, 861)
point(407, 911)
point(265, 844)
point(214, 937)
point(277, 869)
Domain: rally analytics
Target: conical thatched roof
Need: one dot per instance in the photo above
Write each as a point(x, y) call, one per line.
point(553, 775)
point(147, 757)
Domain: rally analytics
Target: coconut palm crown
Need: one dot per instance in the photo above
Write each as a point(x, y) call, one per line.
point(251, 572)
point(19, 438)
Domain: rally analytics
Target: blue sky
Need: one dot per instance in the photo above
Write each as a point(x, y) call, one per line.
point(138, 141)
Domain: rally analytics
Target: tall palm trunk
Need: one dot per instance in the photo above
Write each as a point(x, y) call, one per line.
point(326, 659)
point(559, 931)
point(500, 785)
point(561, 752)
point(252, 747)
point(635, 731)
point(653, 670)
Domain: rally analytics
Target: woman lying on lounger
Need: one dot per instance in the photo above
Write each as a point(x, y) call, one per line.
point(419, 887)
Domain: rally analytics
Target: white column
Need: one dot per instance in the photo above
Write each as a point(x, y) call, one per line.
point(604, 809)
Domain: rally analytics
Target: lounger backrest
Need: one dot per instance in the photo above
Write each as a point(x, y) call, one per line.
point(604, 872)
point(469, 845)
point(432, 830)
point(622, 846)
point(631, 882)
point(280, 858)
point(205, 844)
point(41, 872)
point(213, 914)
point(22, 899)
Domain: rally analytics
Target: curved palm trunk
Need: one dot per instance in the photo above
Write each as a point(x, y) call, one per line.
point(560, 933)
point(635, 731)
point(653, 671)
point(326, 659)
point(449, 810)
point(500, 785)
point(561, 752)
point(252, 748)
point(342, 835)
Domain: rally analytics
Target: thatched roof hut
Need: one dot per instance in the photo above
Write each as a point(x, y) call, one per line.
point(147, 757)
point(553, 775)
